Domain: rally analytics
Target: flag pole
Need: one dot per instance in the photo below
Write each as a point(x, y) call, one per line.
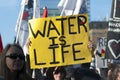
point(23, 3)
point(36, 9)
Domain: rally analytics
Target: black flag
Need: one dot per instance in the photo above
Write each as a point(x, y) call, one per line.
point(113, 35)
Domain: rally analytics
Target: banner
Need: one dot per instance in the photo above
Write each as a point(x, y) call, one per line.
point(115, 11)
point(101, 46)
point(113, 35)
point(69, 7)
point(21, 28)
point(57, 41)
point(36, 9)
point(100, 60)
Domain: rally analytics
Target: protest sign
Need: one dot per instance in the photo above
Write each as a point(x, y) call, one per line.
point(101, 50)
point(60, 40)
point(113, 36)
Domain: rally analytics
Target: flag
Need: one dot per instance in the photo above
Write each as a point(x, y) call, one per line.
point(60, 4)
point(36, 9)
point(45, 12)
point(21, 28)
point(77, 7)
point(70, 7)
point(102, 53)
point(113, 34)
point(84, 7)
point(67, 7)
point(1, 45)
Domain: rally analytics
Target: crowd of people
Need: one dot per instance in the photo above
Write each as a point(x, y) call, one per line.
point(14, 65)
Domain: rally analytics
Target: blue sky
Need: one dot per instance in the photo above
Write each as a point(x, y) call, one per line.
point(9, 13)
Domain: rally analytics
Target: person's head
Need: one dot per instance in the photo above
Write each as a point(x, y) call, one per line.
point(59, 73)
point(86, 74)
point(12, 59)
point(114, 72)
point(49, 73)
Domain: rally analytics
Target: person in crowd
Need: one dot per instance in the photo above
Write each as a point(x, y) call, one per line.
point(86, 74)
point(55, 73)
point(49, 73)
point(70, 72)
point(114, 71)
point(59, 73)
point(12, 63)
point(102, 71)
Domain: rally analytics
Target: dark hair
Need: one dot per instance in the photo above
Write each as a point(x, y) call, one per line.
point(60, 69)
point(115, 69)
point(54, 70)
point(49, 73)
point(4, 71)
point(83, 72)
